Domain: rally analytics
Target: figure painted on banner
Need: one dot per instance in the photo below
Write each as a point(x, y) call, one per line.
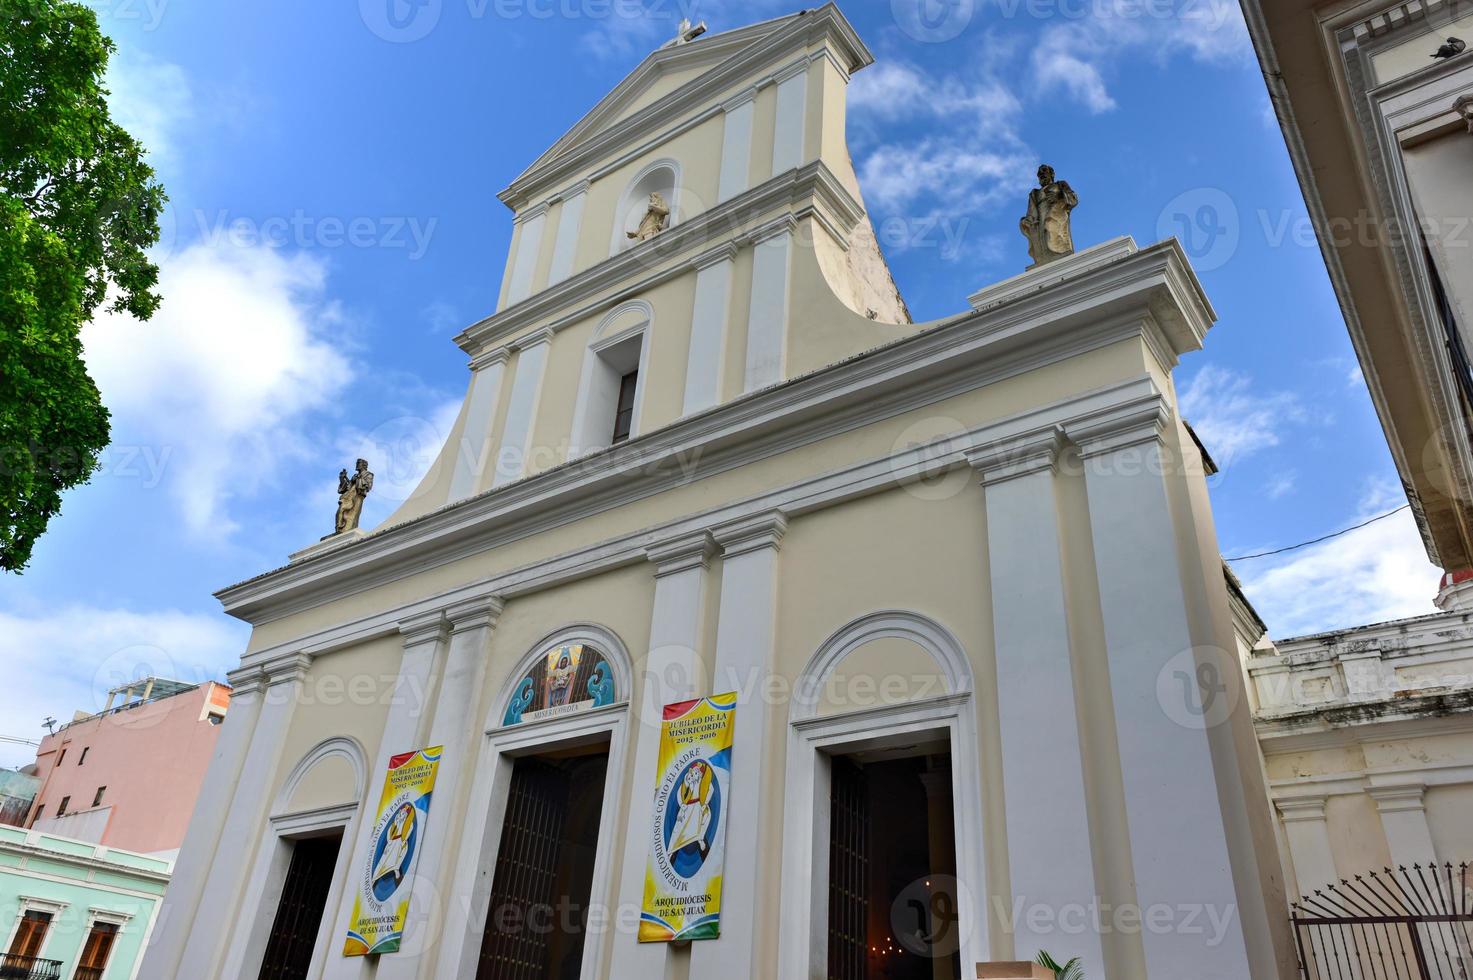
point(560, 678)
point(601, 685)
point(388, 870)
point(520, 702)
point(694, 817)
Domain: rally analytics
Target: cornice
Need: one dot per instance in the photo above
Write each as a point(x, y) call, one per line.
point(949, 358)
point(681, 553)
point(1034, 453)
point(479, 613)
point(430, 627)
point(1143, 425)
point(1302, 808)
point(756, 533)
point(810, 189)
point(650, 126)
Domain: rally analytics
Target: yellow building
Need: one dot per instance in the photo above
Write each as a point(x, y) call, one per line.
point(961, 577)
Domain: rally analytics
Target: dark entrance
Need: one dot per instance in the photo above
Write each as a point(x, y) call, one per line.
point(298, 916)
point(892, 866)
point(537, 918)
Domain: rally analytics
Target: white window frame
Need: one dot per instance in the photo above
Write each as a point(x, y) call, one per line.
point(119, 919)
point(813, 740)
point(26, 904)
point(247, 946)
point(598, 385)
point(460, 942)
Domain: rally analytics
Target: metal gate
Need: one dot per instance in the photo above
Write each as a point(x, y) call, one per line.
point(1406, 924)
point(848, 872)
point(526, 873)
point(299, 915)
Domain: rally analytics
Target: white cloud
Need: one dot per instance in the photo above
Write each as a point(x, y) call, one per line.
point(1282, 485)
point(1370, 575)
point(977, 162)
point(1234, 420)
point(64, 660)
point(150, 99)
point(220, 383)
point(1077, 54)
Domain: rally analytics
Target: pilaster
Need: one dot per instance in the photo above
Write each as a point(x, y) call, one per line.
point(671, 671)
point(1048, 821)
point(745, 649)
point(1309, 841)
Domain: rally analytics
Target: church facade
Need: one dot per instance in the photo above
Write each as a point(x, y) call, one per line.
point(744, 627)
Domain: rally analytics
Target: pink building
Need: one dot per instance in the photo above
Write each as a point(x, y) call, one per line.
point(128, 776)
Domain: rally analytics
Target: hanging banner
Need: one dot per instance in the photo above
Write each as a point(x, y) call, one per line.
point(382, 903)
point(682, 881)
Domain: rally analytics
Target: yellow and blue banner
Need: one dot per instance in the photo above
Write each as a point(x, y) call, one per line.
point(682, 882)
point(382, 904)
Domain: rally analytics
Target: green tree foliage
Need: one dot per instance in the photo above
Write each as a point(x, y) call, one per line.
point(78, 208)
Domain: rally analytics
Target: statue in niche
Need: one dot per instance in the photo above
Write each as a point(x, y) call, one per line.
point(655, 218)
point(351, 491)
point(1046, 225)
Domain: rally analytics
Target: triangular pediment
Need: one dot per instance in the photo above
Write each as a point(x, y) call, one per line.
point(662, 72)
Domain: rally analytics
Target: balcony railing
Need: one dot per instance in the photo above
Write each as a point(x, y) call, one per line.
point(16, 967)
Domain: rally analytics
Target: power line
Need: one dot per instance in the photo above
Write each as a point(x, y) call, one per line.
point(1334, 534)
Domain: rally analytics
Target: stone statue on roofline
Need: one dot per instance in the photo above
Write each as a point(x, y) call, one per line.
point(351, 492)
point(1046, 223)
point(654, 220)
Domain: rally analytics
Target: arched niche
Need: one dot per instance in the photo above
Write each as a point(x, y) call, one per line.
point(659, 176)
point(887, 657)
point(332, 773)
point(573, 669)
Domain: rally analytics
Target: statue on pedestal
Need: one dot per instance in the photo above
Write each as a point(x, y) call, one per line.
point(351, 491)
point(1046, 225)
point(653, 221)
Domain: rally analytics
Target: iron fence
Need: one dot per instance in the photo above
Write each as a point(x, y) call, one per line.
point(13, 966)
point(1403, 924)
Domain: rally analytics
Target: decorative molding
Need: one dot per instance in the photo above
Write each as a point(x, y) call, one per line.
point(681, 553)
point(1141, 424)
point(496, 355)
point(429, 627)
point(1034, 453)
point(1463, 106)
point(1408, 797)
point(580, 295)
point(939, 642)
point(288, 668)
point(749, 534)
point(1301, 809)
point(338, 747)
point(531, 340)
point(782, 224)
point(725, 252)
point(481, 613)
point(536, 211)
point(739, 100)
point(306, 822)
point(648, 128)
point(509, 505)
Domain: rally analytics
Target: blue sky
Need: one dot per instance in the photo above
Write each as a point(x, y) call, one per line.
point(333, 171)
